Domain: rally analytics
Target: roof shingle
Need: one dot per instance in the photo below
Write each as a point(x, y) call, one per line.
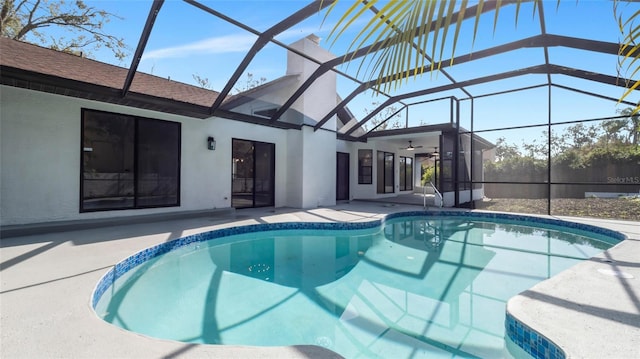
point(33, 58)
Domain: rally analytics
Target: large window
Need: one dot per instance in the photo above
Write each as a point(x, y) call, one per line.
point(365, 166)
point(406, 173)
point(128, 162)
point(385, 172)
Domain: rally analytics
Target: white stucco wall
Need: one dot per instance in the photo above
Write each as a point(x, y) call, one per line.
point(362, 191)
point(294, 177)
point(318, 168)
point(320, 97)
point(311, 181)
point(345, 146)
point(449, 199)
point(369, 191)
point(40, 158)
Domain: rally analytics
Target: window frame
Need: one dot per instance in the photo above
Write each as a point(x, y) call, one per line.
point(361, 176)
point(135, 153)
point(382, 169)
point(254, 172)
point(404, 166)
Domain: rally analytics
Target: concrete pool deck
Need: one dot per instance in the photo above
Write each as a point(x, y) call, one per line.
point(47, 281)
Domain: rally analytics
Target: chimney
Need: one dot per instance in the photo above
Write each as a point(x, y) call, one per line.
point(314, 38)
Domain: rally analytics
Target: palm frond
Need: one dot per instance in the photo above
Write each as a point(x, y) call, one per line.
point(463, 8)
point(407, 34)
point(477, 22)
point(629, 53)
point(414, 34)
point(450, 9)
point(496, 15)
point(436, 32)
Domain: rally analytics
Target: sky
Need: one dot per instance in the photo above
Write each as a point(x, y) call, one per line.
point(187, 42)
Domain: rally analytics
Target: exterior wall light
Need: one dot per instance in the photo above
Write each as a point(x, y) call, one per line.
point(211, 143)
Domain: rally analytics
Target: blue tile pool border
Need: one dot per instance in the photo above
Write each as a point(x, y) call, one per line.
point(532, 342)
point(528, 339)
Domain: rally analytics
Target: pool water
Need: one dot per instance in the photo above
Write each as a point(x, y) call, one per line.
point(415, 287)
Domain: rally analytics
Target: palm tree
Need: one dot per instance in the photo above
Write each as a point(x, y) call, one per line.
point(404, 28)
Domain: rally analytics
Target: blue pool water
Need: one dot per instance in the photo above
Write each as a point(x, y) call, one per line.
point(415, 286)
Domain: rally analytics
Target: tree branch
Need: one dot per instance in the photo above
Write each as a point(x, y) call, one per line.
point(28, 17)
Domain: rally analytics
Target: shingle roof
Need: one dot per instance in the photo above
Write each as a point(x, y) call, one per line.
point(35, 59)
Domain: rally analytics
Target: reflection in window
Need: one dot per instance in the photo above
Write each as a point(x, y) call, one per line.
point(365, 166)
point(385, 172)
point(406, 173)
point(129, 162)
point(252, 173)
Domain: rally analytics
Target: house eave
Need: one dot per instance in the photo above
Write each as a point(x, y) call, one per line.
point(30, 80)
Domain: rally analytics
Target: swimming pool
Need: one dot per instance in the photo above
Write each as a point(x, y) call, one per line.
point(415, 284)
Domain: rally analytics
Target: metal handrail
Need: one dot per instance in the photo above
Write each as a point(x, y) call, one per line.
point(424, 198)
point(437, 192)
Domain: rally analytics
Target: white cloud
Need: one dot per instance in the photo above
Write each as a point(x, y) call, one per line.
point(214, 45)
point(223, 44)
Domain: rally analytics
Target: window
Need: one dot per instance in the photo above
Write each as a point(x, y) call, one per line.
point(385, 172)
point(406, 173)
point(128, 162)
point(365, 166)
point(252, 173)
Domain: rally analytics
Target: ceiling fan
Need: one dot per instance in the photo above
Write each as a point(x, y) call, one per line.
point(434, 153)
point(411, 147)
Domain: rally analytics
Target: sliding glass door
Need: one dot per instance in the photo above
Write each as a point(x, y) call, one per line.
point(406, 173)
point(253, 174)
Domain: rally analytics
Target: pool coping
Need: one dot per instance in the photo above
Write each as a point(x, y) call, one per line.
point(531, 341)
point(585, 311)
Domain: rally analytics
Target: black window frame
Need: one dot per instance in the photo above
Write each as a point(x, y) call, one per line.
point(257, 198)
point(362, 176)
point(406, 183)
point(381, 172)
point(135, 153)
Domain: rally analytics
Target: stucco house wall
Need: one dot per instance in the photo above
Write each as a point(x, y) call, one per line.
point(40, 158)
point(315, 156)
point(40, 143)
point(320, 97)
